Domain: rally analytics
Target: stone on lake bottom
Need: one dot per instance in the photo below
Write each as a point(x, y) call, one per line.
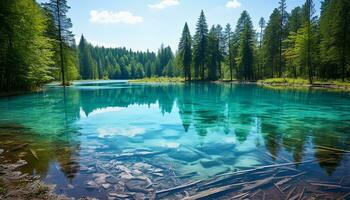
point(92, 184)
point(137, 185)
point(114, 194)
point(111, 180)
point(158, 174)
point(184, 155)
point(206, 163)
point(106, 186)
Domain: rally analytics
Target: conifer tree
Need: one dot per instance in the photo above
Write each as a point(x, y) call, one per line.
point(229, 50)
point(65, 38)
point(185, 51)
point(200, 47)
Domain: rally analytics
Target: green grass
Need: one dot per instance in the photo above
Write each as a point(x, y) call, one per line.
point(304, 83)
point(335, 83)
point(3, 191)
point(285, 81)
point(158, 80)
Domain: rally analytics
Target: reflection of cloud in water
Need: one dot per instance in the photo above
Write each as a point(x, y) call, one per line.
point(99, 111)
point(230, 140)
point(128, 131)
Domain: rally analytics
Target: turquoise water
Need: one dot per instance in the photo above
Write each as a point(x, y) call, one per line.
point(199, 131)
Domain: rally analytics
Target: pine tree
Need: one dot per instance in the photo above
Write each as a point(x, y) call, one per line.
point(245, 56)
point(335, 39)
point(58, 10)
point(229, 50)
point(308, 35)
point(185, 51)
point(282, 32)
point(271, 45)
point(200, 47)
point(88, 68)
point(260, 56)
point(262, 24)
point(222, 46)
point(214, 57)
point(295, 20)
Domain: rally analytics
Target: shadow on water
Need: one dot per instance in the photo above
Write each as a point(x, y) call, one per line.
point(115, 138)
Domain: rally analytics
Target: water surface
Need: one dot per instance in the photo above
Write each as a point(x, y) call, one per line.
point(86, 132)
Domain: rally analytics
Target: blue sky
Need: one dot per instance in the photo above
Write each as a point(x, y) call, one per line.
point(146, 24)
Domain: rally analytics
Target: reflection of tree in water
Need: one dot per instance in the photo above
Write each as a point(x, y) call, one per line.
point(68, 158)
point(39, 151)
point(324, 137)
point(230, 108)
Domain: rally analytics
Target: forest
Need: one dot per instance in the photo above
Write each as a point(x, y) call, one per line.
point(37, 46)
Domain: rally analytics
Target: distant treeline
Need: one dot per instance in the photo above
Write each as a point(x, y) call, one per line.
point(120, 63)
point(37, 46)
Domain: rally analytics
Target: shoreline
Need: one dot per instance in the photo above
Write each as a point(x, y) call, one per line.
point(15, 185)
point(280, 85)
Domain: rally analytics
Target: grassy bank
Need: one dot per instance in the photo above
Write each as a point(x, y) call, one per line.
point(299, 82)
point(158, 80)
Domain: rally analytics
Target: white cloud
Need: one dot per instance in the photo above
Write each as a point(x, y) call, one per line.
point(233, 4)
point(164, 4)
point(110, 17)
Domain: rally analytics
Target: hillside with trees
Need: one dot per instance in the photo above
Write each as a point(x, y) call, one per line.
point(37, 46)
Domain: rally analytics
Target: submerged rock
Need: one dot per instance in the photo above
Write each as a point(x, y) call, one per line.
point(206, 163)
point(247, 162)
point(142, 166)
point(111, 180)
point(137, 185)
point(125, 176)
point(158, 174)
point(92, 185)
point(106, 186)
point(100, 178)
point(114, 194)
point(1, 151)
point(184, 155)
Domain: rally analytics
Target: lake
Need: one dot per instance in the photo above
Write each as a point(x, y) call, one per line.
point(114, 139)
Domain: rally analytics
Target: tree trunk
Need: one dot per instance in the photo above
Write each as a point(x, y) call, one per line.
point(61, 42)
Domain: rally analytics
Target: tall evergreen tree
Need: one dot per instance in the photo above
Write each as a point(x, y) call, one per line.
point(200, 47)
point(295, 21)
point(63, 24)
point(262, 24)
point(309, 36)
point(185, 51)
point(88, 68)
point(271, 44)
point(282, 32)
point(214, 55)
point(335, 38)
point(222, 46)
point(230, 56)
point(245, 56)
point(165, 55)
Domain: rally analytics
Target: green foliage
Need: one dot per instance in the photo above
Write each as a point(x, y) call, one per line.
point(119, 63)
point(60, 31)
point(335, 39)
point(200, 47)
point(37, 46)
point(88, 67)
point(26, 52)
point(245, 57)
point(289, 81)
point(185, 52)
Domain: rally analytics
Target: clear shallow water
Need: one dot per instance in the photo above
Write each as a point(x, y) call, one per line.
point(198, 131)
